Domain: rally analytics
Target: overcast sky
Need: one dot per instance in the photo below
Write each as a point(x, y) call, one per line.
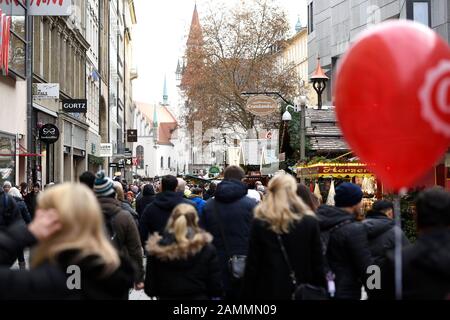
point(160, 36)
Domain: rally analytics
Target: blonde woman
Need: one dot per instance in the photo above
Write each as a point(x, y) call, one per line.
point(282, 217)
point(72, 257)
point(182, 262)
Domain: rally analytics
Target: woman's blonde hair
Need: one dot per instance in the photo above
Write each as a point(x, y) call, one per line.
point(119, 190)
point(281, 206)
point(82, 227)
point(183, 218)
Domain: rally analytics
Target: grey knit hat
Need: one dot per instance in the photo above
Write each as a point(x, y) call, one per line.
point(103, 186)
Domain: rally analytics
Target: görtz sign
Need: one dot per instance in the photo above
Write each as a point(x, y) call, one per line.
point(74, 105)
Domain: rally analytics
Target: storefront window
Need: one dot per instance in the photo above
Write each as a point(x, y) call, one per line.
point(7, 158)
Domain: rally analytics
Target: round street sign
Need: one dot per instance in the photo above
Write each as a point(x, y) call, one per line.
point(261, 105)
point(49, 133)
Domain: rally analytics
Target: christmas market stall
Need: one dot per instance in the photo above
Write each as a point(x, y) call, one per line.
point(323, 178)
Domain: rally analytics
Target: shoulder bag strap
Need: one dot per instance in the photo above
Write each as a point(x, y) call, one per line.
point(222, 232)
point(286, 259)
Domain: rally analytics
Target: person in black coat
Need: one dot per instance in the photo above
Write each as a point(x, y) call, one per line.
point(232, 211)
point(381, 230)
point(282, 214)
point(148, 196)
point(211, 192)
point(182, 263)
point(31, 199)
point(345, 239)
point(155, 215)
point(426, 263)
point(22, 208)
point(58, 246)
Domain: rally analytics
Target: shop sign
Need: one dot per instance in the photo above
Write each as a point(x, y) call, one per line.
point(132, 135)
point(113, 165)
point(334, 170)
point(106, 150)
point(46, 90)
point(128, 153)
point(343, 170)
point(38, 7)
point(261, 105)
point(74, 105)
point(129, 161)
point(49, 133)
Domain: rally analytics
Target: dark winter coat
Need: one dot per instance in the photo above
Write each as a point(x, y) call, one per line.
point(381, 235)
point(235, 210)
point(125, 205)
point(9, 211)
point(199, 204)
point(22, 207)
point(147, 197)
point(31, 202)
point(49, 280)
point(426, 269)
point(267, 273)
point(127, 233)
point(209, 194)
point(155, 216)
point(348, 252)
point(190, 272)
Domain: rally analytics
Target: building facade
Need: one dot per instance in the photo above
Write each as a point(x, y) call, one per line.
point(294, 52)
point(59, 57)
point(334, 25)
point(13, 124)
point(87, 55)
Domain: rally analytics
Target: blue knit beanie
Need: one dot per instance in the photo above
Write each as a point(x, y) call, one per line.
point(103, 186)
point(347, 195)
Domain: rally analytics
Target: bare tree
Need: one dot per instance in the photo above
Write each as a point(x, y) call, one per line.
point(239, 52)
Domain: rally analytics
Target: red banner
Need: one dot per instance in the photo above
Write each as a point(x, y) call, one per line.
point(5, 25)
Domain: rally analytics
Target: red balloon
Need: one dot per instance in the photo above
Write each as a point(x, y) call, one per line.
point(393, 100)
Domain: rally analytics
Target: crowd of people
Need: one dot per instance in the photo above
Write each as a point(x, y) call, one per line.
point(180, 240)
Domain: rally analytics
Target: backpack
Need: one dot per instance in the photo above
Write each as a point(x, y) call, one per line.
point(325, 239)
point(7, 210)
point(112, 232)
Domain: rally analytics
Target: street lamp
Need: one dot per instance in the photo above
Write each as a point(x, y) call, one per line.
point(300, 106)
point(319, 80)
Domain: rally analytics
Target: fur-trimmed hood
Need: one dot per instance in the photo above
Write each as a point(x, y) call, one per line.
point(166, 247)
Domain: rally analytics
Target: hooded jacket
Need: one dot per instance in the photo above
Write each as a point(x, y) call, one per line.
point(188, 272)
point(49, 280)
point(233, 210)
point(127, 233)
point(199, 204)
point(147, 197)
point(381, 235)
point(155, 216)
point(348, 253)
point(426, 269)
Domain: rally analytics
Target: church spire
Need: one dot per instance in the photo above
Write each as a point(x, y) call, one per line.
point(195, 37)
point(165, 95)
point(298, 26)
